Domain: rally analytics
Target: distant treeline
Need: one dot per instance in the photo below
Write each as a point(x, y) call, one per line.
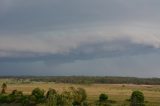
point(91, 79)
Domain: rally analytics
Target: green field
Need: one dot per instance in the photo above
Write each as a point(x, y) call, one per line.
point(117, 92)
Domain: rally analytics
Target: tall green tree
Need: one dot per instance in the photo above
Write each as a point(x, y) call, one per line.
point(38, 94)
point(137, 98)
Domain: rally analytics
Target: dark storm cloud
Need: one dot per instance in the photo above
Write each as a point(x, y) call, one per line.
point(84, 52)
point(36, 33)
point(19, 15)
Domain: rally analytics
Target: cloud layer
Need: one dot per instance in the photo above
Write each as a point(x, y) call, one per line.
point(42, 33)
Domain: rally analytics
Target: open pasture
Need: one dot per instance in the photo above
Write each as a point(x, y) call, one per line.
point(117, 92)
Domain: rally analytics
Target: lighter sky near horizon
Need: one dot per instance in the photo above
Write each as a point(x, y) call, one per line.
point(80, 37)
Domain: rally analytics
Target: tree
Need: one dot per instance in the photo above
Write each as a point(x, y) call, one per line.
point(137, 98)
point(50, 92)
point(79, 95)
point(83, 94)
point(103, 100)
point(4, 87)
point(51, 97)
point(38, 94)
point(63, 99)
point(103, 97)
point(51, 100)
point(15, 96)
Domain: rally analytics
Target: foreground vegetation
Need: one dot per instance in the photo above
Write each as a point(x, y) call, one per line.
point(71, 97)
point(117, 94)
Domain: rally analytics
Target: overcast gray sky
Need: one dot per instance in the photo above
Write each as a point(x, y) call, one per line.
point(80, 37)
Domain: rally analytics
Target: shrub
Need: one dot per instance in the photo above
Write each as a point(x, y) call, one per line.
point(85, 103)
point(103, 97)
point(63, 99)
point(15, 96)
point(73, 97)
point(52, 100)
point(17, 93)
point(38, 95)
point(83, 94)
point(137, 98)
point(79, 95)
point(25, 100)
point(51, 97)
point(4, 98)
point(51, 92)
point(4, 87)
point(33, 100)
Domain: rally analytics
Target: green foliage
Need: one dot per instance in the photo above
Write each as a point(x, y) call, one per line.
point(51, 97)
point(103, 104)
point(72, 97)
point(137, 98)
point(33, 100)
point(65, 99)
point(38, 95)
point(103, 100)
point(15, 96)
point(83, 94)
point(50, 92)
point(52, 100)
point(4, 98)
point(103, 97)
point(79, 95)
point(4, 87)
point(17, 93)
point(25, 100)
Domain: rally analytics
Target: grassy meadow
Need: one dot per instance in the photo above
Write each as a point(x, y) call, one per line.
point(117, 92)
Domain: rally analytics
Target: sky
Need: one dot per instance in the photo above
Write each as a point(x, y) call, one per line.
point(80, 37)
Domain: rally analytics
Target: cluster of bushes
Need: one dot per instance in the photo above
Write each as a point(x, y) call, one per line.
point(16, 96)
point(71, 97)
point(137, 99)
